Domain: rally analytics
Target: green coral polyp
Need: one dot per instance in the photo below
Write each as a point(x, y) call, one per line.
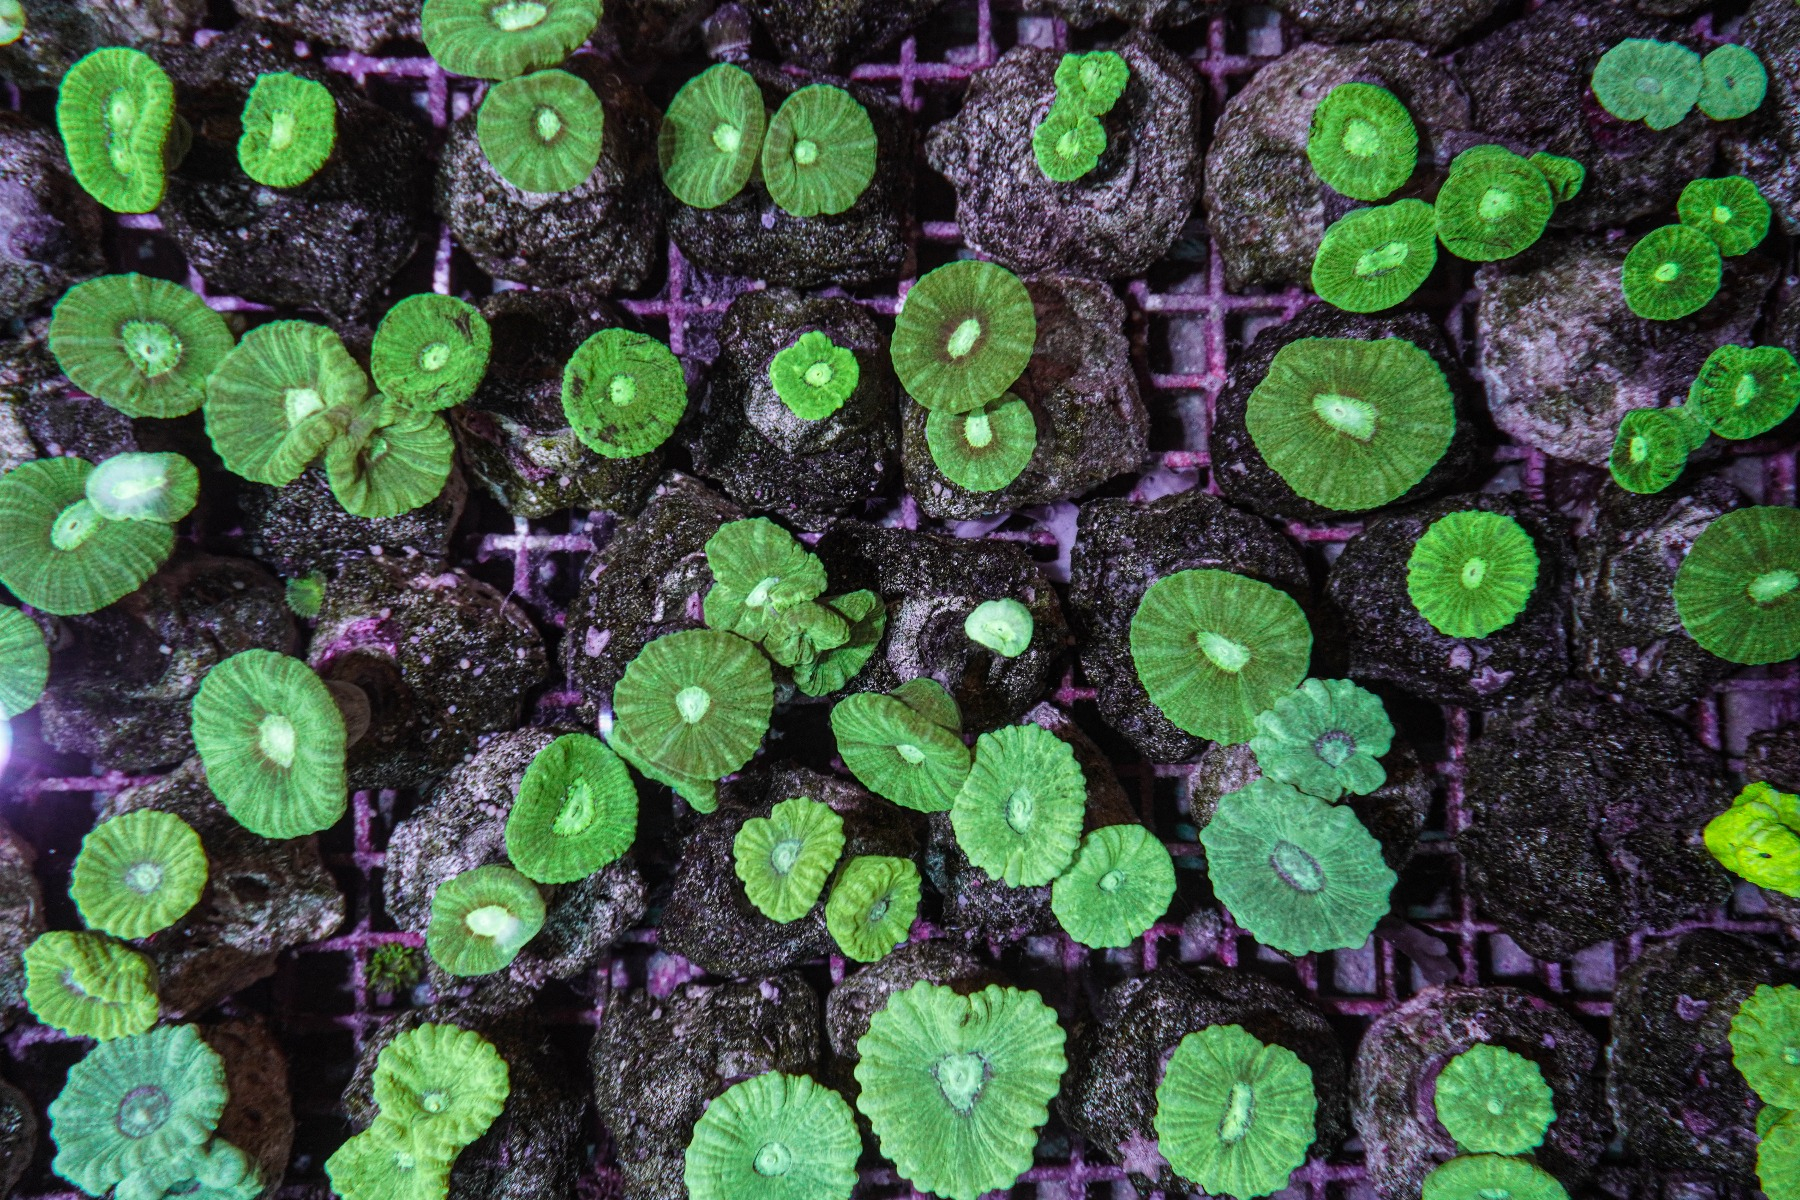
point(814, 376)
point(1234, 1114)
point(384, 1162)
point(759, 569)
point(430, 352)
point(138, 873)
point(818, 156)
point(712, 136)
point(1758, 838)
point(89, 986)
point(1641, 79)
point(58, 553)
point(1019, 813)
point(1492, 1100)
point(1068, 142)
point(783, 859)
point(140, 486)
point(1671, 272)
point(987, 447)
point(1374, 258)
point(623, 393)
point(1730, 211)
point(1650, 451)
point(145, 346)
point(1745, 391)
point(1738, 590)
point(1478, 1176)
point(443, 1084)
point(872, 905)
point(1362, 141)
point(24, 663)
point(481, 919)
point(1092, 83)
point(542, 132)
point(279, 398)
point(1472, 573)
point(775, 1135)
point(498, 39)
point(1003, 626)
point(1493, 205)
point(1733, 82)
point(115, 110)
point(576, 811)
point(1326, 739)
point(1121, 882)
point(964, 334)
point(272, 741)
point(697, 702)
point(899, 752)
point(290, 127)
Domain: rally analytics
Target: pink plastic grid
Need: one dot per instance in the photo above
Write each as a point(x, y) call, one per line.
point(1357, 985)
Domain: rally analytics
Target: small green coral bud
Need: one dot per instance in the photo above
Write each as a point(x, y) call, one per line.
point(115, 109)
point(272, 741)
point(1121, 883)
point(1745, 391)
point(290, 127)
point(1733, 82)
point(394, 967)
point(1092, 82)
point(818, 156)
point(542, 132)
point(1362, 141)
point(1003, 626)
point(1019, 813)
point(1564, 175)
point(623, 393)
point(1649, 81)
point(1326, 739)
point(1213, 649)
point(1234, 1114)
point(576, 811)
point(872, 905)
point(712, 136)
point(1472, 573)
point(444, 1084)
point(144, 487)
point(957, 1087)
point(89, 986)
point(814, 376)
point(1068, 142)
point(1374, 258)
point(1738, 590)
point(964, 334)
point(481, 919)
point(783, 859)
point(1730, 211)
point(306, 595)
point(1494, 1101)
point(1300, 874)
point(138, 873)
point(1671, 272)
point(778, 1136)
point(985, 448)
point(1650, 451)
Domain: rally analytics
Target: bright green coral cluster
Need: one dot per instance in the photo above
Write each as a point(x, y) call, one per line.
point(1659, 83)
point(1758, 838)
point(1070, 139)
point(437, 1088)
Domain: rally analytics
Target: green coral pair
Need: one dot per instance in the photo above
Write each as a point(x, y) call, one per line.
point(817, 153)
point(138, 1114)
point(75, 537)
point(1765, 1046)
point(438, 1087)
point(1070, 139)
point(1676, 270)
point(1659, 83)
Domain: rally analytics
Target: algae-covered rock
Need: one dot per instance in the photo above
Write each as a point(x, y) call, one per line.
point(360, 25)
point(656, 1063)
point(330, 244)
point(533, 1150)
point(751, 235)
point(259, 1117)
point(1083, 394)
point(1530, 84)
point(825, 35)
point(1115, 220)
point(1628, 637)
point(647, 580)
point(262, 897)
point(1266, 206)
point(122, 680)
point(49, 227)
point(930, 583)
point(1763, 145)
point(1435, 24)
point(604, 236)
point(1562, 357)
point(764, 455)
point(57, 32)
point(1390, 640)
point(42, 416)
point(513, 432)
point(1397, 1065)
point(303, 527)
point(443, 658)
point(708, 919)
point(1121, 548)
point(1117, 1059)
point(1245, 478)
point(1151, 14)
point(461, 826)
point(18, 1135)
point(1675, 1094)
point(21, 920)
point(1585, 819)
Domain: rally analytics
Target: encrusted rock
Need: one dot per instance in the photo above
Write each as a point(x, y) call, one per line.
point(1151, 14)
point(461, 826)
point(930, 583)
point(21, 920)
point(1562, 357)
point(656, 1063)
point(303, 527)
point(41, 416)
point(1266, 206)
point(824, 35)
point(1117, 1059)
point(1115, 220)
point(123, 679)
point(769, 459)
point(333, 242)
point(647, 580)
point(1628, 637)
point(443, 658)
point(1083, 394)
point(1436, 24)
point(604, 235)
point(1121, 548)
point(57, 32)
point(18, 1135)
point(49, 227)
point(708, 919)
point(1529, 83)
point(1245, 478)
point(361, 26)
point(259, 1118)
point(513, 432)
point(1675, 1094)
point(1585, 819)
point(262, 897)
point(1396, 1069)
point(751, 235)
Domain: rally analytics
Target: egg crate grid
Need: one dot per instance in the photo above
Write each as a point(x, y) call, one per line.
point(1184, 336)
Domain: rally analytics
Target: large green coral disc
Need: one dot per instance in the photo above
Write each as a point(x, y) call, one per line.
point(114, 110)
point(143, 345)
point(58, 553)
